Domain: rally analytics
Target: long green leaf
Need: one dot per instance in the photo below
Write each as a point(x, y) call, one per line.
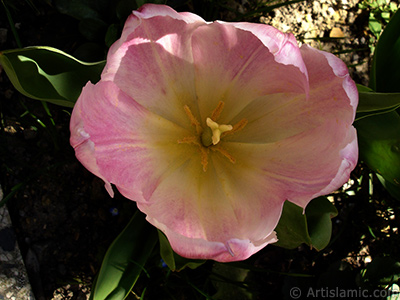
point(385, 71)
point(125, 260)
point(372, 102)
point(48, 74)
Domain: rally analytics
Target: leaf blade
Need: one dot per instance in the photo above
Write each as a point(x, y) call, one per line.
point(124, 260)
point(48, 74)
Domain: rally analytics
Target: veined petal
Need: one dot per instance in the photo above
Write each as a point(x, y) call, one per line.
point(326, 73)
point(283, 45)
point(275, 117)
point(300, 166)
point(148, 11)
point(84, 147)
point(154, 65)
point(349, 155)
point(204, 249)
point(228, 208)
point(243, 69)
point(132, 147)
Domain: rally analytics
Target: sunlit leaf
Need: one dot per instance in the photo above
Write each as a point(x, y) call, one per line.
point(125, 260)
point(48, 74)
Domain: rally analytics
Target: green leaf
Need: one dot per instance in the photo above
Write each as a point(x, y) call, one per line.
point(371, 103)
point(48, 74)
point(314, 227)
point(361, 88)
point(385, 72)
point(174, 261)
point(319, 213)
point(93, 29)
point(112, 35)
point(292, 228)
point(379, 142)
point(230, 282)
point(392, 188)
point(124, 260)
point(381, 272)
point(81, 9)
point(374, 25)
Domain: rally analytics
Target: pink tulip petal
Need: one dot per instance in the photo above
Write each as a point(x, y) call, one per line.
point(132, 147)
point(159, 52)
point(326, 72)
point(302, 168)
point(235, 57)
point(349, 155)
point(148, 11)
point(84, 147)
point(283, 45)
point(208, 207)
point(232, 250)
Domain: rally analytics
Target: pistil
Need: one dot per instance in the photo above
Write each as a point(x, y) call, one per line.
point(217, 130)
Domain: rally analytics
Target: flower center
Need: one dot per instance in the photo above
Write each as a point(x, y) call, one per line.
point(207, 139)
point(210, 137)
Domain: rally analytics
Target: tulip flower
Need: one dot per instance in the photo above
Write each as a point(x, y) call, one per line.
point(211, 126)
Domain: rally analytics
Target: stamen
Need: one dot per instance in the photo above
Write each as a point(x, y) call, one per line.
point(203, 151)
point(224, 153)
point(193, 120)
point(204, 158)
point(237, 127)
point(189, 140)
point(217, 111)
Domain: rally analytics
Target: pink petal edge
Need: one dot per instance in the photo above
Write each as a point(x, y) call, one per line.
point(84, 147)
point(232, 250)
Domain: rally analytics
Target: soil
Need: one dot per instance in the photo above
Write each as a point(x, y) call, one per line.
point(65, 220)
